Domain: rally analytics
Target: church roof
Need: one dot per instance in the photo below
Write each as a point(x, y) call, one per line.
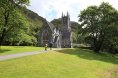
point(52, 27)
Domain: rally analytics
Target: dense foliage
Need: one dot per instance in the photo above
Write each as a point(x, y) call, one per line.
point(18, 25)
point(10, 20)
point(99, 25)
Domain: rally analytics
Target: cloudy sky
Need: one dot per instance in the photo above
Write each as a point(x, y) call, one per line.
point(52, 9)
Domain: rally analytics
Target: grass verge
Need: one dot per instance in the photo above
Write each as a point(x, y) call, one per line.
point(18, 49)
point(67, 63)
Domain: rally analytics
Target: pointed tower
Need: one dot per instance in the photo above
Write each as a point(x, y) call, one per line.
point(62, 14)
point(66, 41)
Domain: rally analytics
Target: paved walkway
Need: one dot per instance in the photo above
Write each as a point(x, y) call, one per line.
point(11, 56)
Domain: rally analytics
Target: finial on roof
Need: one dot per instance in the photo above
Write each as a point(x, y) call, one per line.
point(67, 13)
point(62, 14)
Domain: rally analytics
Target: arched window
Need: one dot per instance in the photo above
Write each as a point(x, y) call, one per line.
point(45, 36)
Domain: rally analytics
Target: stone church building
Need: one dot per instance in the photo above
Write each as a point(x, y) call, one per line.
point(61, 38)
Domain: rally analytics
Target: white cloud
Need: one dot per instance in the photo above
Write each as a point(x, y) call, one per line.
point(51, 9)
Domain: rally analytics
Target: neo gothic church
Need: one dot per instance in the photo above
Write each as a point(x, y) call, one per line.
point(61, 38)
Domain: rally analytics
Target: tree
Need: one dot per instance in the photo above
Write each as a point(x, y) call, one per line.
point(19, 30)
point(8, 8)
point(75, 27)
point(99, 23)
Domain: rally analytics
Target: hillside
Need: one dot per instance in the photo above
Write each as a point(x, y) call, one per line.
point(34, 18)
point(35, 23)
point(38, 21)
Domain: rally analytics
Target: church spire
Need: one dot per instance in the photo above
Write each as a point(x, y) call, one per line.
point(62, 14)
point(67, 13)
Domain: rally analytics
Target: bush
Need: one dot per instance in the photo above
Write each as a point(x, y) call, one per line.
point(115, 50)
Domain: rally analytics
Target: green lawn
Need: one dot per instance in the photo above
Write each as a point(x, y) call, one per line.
point(18, 49)
point(67, 63)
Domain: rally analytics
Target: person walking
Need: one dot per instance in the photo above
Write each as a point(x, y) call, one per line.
point(50, 45)
point(46, 46)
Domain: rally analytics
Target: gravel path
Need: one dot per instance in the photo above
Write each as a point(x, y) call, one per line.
point(11, 56)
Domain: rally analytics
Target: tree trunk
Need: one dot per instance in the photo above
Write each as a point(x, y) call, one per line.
point(1, 40)
point(98, 45)
point(6, 18)
point(2, 37)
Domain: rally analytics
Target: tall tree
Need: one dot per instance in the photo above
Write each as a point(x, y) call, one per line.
point(99, 23)
point(8, 8)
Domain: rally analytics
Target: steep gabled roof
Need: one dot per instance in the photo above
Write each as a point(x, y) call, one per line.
point(52, 27)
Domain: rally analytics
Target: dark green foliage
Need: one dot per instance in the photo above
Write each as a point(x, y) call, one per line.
point(29, 35)
point(35, 23)
point(100, 25)
point(56, 22)
point(8, 13)
point(18, 25)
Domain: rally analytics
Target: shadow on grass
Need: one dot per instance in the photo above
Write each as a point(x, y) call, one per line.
point(90, 55)
point(4, 50)
point(19, 46)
